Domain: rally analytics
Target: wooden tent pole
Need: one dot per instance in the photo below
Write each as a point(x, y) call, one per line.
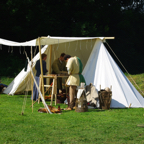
point(31, 80)
point(50, 59)
point(42, 81)
point(50, 62)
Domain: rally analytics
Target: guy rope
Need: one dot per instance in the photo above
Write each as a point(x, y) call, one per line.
point(125, 68)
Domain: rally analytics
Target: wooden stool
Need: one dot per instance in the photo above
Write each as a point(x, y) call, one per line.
point(54, 88)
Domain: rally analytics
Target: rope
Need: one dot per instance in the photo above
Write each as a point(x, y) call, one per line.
point(24, 50)
point(9, 49)
point(25, 53)
point(12, 50)
point(35, 50)
point(26, 93)
point(65, 47)
point(86, 44)
point(125, 69)
point(69, 46)
point(25, 97)
point(57, 45)
point(0, 47)
point(20, 49)
point(31, 57)
point(76, 45)
point(24, 103)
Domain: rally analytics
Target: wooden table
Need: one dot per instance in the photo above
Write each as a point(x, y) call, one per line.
point(54, 85)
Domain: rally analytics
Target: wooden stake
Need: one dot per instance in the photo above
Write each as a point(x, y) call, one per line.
point(130, 105)
point(34, 103)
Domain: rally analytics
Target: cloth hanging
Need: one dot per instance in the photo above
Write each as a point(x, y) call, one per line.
point(92, 94)
point(26, 63)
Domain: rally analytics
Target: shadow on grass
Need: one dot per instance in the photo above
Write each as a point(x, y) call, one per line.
point(16, 96)
point(66, 111)
point(95, 110)
point(102, 110)
point(89, 110)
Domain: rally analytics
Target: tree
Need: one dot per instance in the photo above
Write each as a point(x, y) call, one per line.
point(123, 19)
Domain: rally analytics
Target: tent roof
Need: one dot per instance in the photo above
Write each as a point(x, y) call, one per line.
point(12, 43)
point(48, 40)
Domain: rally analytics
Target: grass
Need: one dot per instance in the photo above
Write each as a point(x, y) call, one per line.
point(6, 80)
point(94, 126)
point(139, 80)
point(115, 126)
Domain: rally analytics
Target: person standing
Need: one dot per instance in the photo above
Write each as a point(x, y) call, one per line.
point(74, 68)
point(58, 66)
point(38, 73)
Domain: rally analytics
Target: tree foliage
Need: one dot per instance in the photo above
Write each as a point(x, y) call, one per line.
point(123, 19)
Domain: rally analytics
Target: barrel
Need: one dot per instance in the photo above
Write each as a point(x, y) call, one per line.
point(105, 99)
point(81, 104)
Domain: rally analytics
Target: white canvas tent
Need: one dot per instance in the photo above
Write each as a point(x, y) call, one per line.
point(102, 70)
point(99, 67)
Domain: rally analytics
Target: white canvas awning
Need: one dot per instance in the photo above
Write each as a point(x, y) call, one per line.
point(57, 40)
point(12, 43)
point(48, 41)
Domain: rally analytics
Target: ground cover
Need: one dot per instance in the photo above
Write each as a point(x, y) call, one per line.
point(139, 80)
point(94, 126)
point(114, 126)
point(6, 80)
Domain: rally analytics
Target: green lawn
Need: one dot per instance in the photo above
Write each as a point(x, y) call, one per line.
point(116, 126)
point(6, 80)
point(94, 126)
point(139, 80)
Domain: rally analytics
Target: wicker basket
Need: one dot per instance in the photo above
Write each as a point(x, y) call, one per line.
point(105, 99)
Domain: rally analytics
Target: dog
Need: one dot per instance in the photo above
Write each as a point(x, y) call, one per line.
point(51, 108)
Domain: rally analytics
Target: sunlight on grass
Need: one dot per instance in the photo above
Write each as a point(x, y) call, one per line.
point(139, 80)
point(95, 126)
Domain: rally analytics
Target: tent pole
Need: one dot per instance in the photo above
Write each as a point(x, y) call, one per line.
point(50, 61)
point(41, 68)
point(31, 80)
